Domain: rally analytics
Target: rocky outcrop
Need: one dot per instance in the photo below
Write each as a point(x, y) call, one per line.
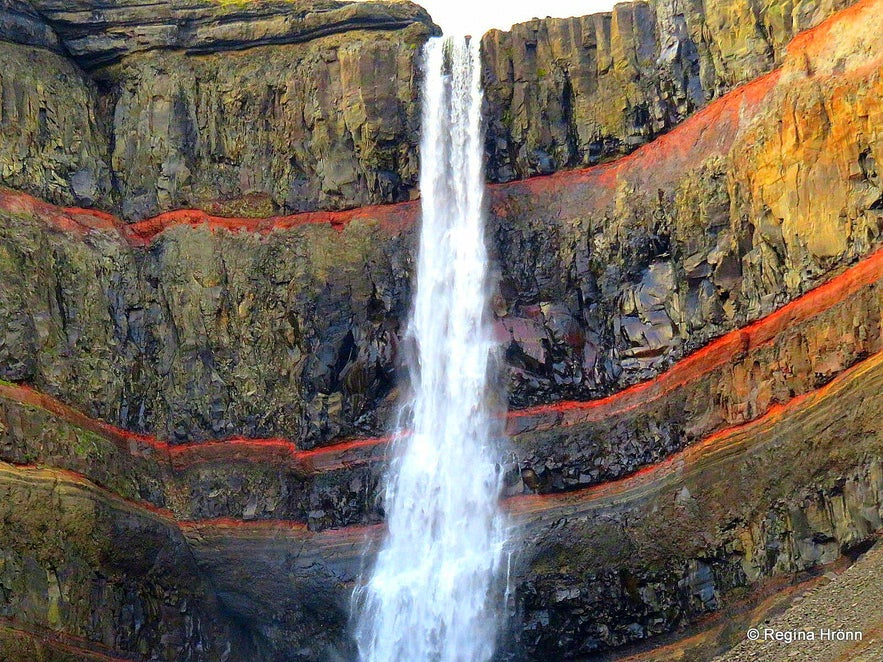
point(20, 23)
point(610, 273)
point(321, 113)
point(669, 545)
point(328, 124)
point(575, 91)
point(736, 379)
point(97, 33)
point(692, 337)
point(82, 573)
point(752, 502)
point(277, 107)
point(52, 142)
point(184, 339)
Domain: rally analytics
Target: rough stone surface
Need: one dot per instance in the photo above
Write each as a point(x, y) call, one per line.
point(52, 142)
point(319, 110)
point(75, 563)
point(97, 33)
point(209, 334)
point(191, 328)
point(664, 548)
point(847, 603)
point(609, 274)
point(20, 23)
point(564, 92)
point(328, 124)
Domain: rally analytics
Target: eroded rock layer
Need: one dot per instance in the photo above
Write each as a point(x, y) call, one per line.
point(321, 111)
point(195, 403)
point(735, 379)
point(783, 494)
point(565, 92)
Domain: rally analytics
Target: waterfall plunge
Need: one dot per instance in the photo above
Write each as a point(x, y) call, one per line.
point(432, 594)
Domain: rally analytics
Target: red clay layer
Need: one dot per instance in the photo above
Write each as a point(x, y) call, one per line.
point(521, 505)
point(392, 218)
point(359, 451)
point(708, 132)
point(181, 456)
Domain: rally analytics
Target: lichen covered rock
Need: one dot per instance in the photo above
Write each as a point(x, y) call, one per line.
point(565, 92)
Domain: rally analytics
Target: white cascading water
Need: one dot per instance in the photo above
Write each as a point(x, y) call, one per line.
point(433, 592)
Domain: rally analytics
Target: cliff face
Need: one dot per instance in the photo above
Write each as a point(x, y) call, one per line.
point(183, 338)
point(577, 91)
point(607, 276)
point(676, 324)
point(173, 115)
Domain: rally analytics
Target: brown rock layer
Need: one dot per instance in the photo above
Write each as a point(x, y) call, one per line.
point(320, 109)
point(82, 565)
point(792, 490)
point(98, 33)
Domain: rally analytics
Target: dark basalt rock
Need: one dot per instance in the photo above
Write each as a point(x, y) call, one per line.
point(98, 33)
point(20, 23)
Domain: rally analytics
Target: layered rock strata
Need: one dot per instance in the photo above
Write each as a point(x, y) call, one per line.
point(319, 113)
point(565, 92)
point(795, 489)
point(268, 107)
point(713, 300)
point(607, 275)
point(782, 494)
point(736, 379)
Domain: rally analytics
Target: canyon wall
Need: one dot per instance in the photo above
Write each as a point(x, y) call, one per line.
point(241, 109)
point(199, 360)
point(576, 91)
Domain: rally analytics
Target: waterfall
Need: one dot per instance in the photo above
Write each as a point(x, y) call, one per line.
point(434, 589)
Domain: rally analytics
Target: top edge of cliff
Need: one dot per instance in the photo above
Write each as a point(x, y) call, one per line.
point(97, 33)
